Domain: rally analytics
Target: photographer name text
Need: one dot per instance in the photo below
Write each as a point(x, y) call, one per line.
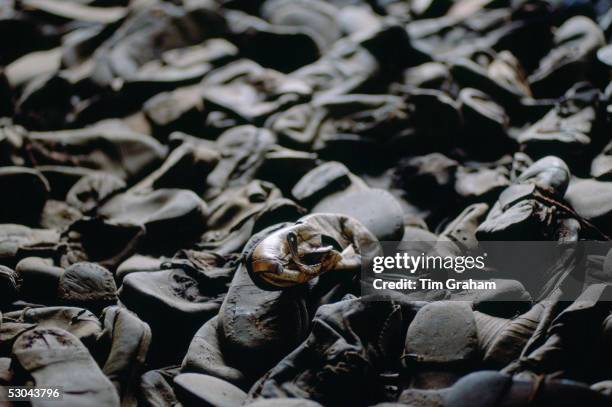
point(429, 284)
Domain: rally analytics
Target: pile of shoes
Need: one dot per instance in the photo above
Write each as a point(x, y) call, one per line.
point(189, 188)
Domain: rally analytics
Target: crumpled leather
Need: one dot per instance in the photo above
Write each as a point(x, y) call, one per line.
point(314, 245)
point(129, 339)
point(339, 361)
point(556, 347)
point(99, 147)
point(55, 357)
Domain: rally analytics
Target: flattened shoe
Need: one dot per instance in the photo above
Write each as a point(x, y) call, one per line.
point(55, 358)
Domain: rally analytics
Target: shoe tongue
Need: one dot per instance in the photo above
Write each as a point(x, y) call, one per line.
point(314, 257)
